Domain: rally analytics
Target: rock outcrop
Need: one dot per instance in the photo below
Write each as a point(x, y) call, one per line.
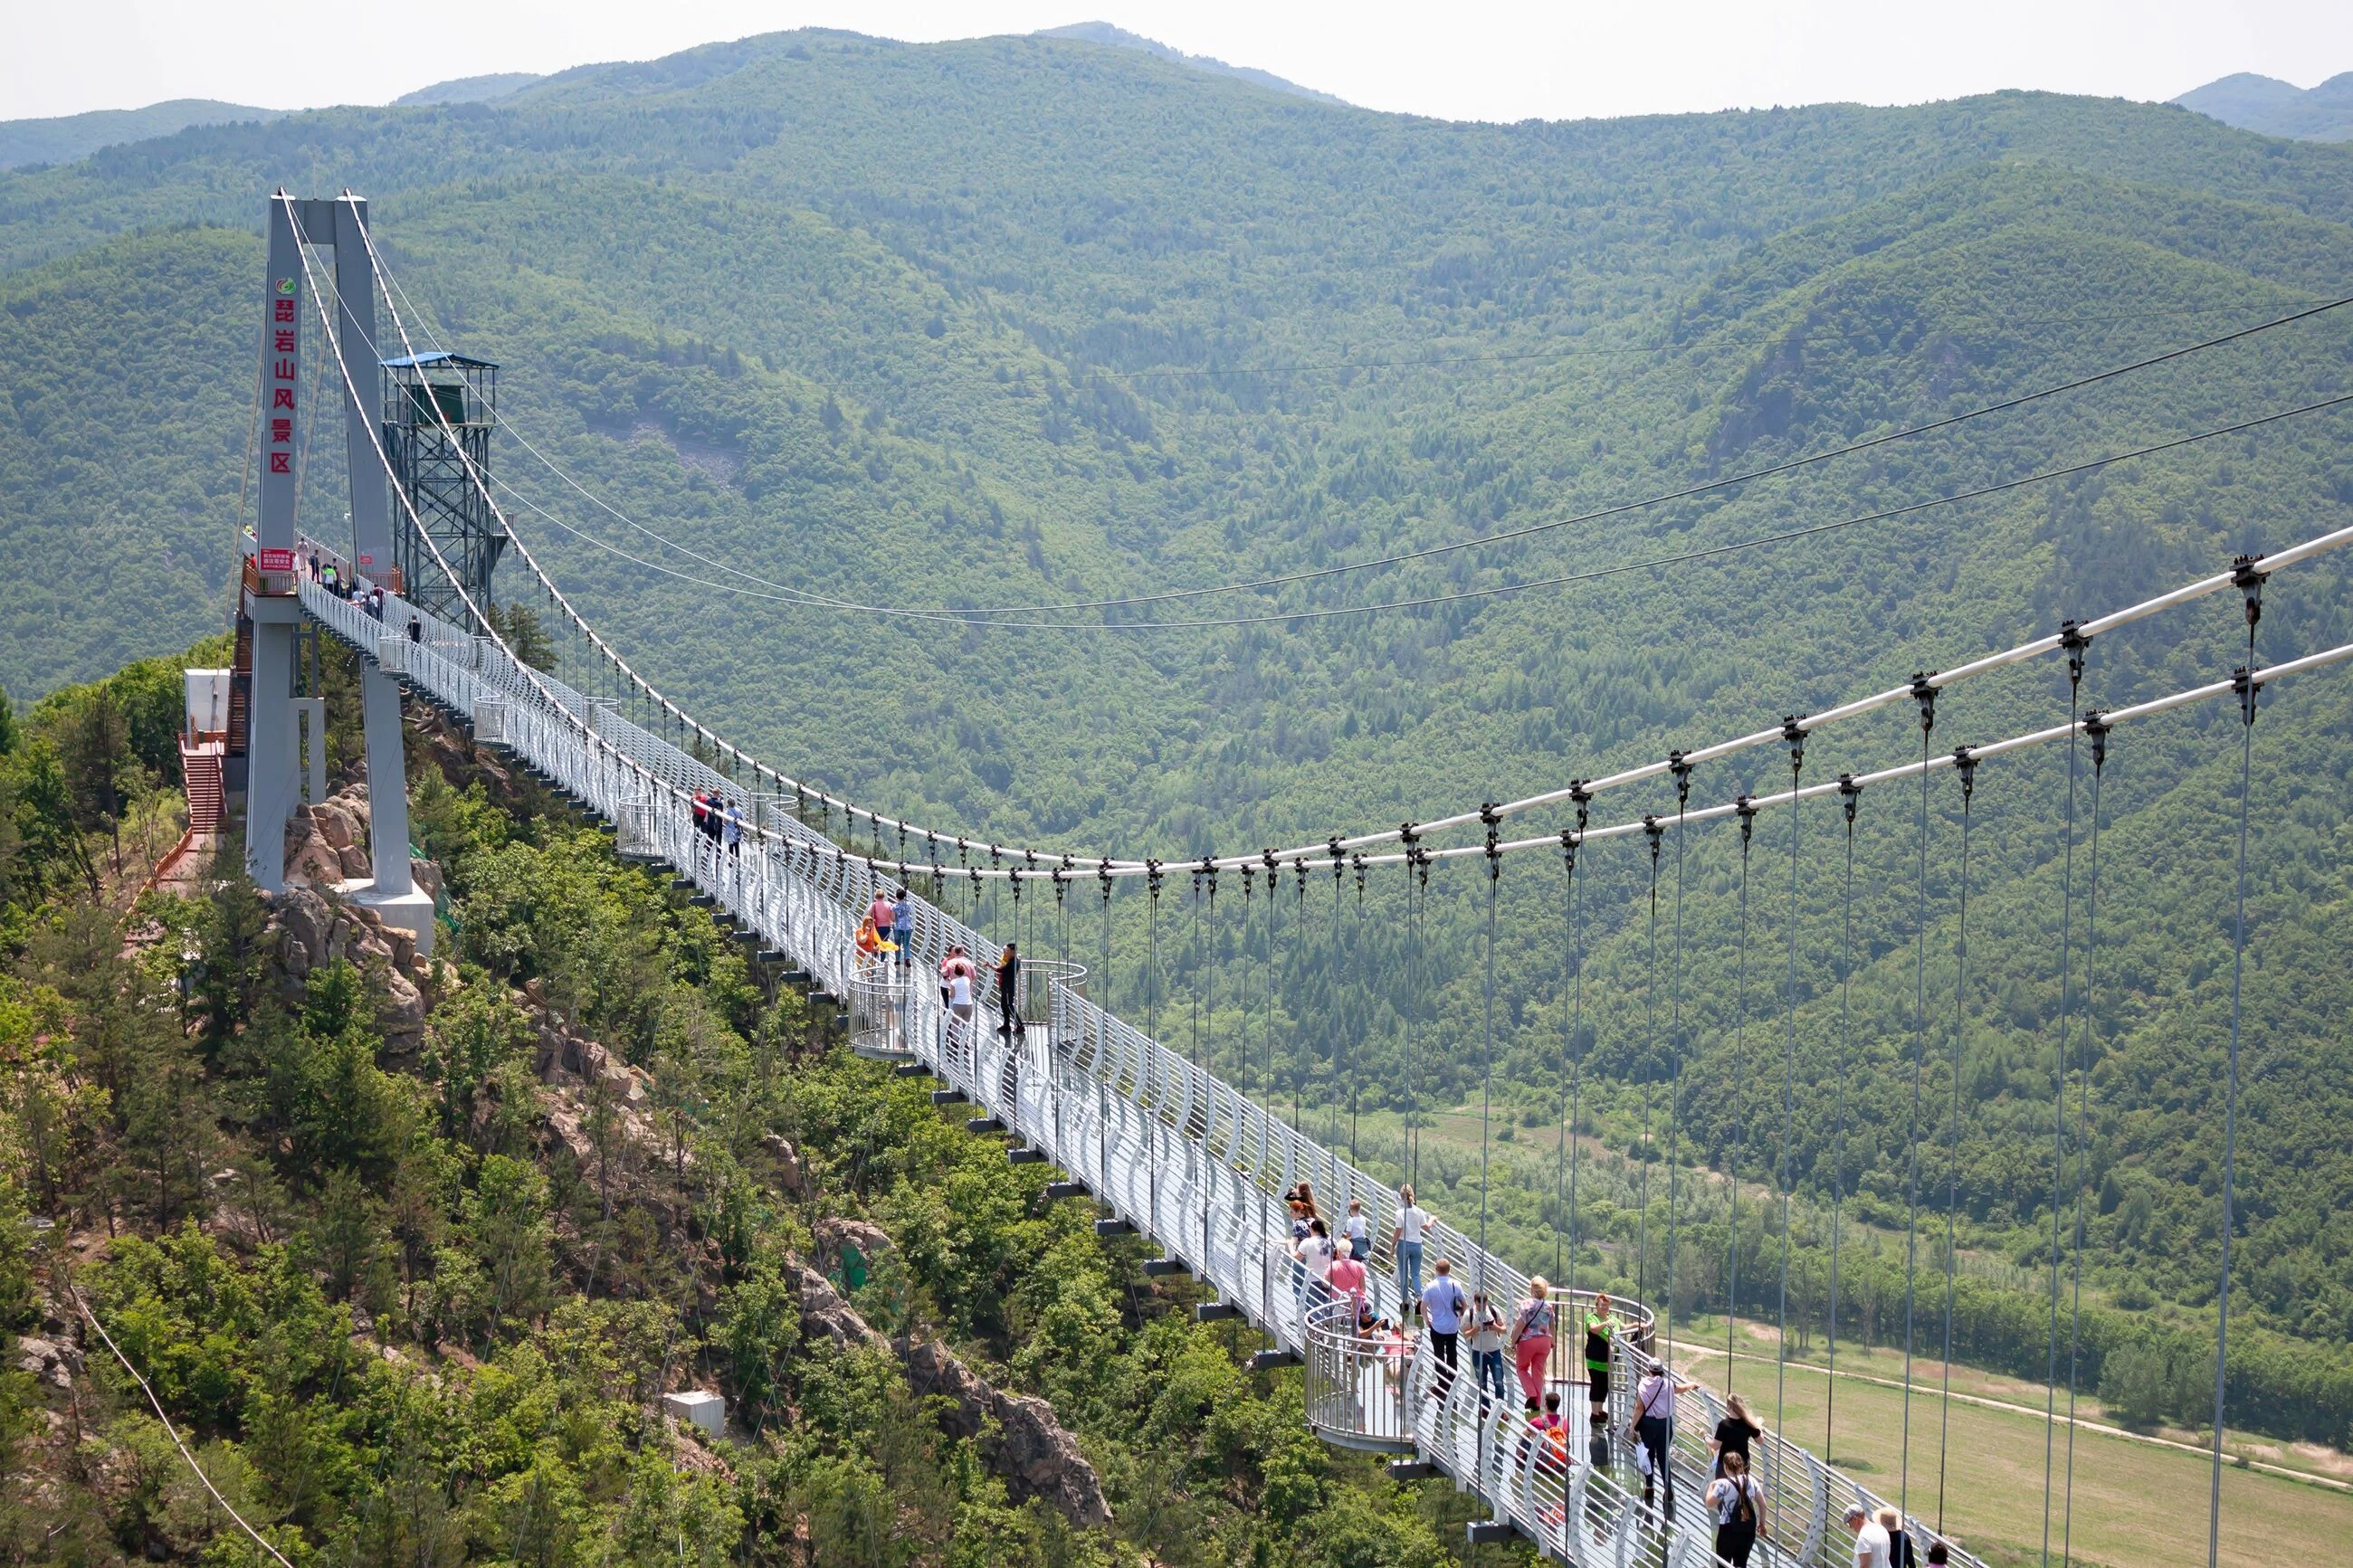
point(1018, 1433)
point(312, 932)
point(53, 1362)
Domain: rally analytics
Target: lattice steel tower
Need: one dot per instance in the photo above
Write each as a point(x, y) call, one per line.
point(437, 412)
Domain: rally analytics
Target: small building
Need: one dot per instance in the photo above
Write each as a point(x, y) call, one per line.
point(702, 1407)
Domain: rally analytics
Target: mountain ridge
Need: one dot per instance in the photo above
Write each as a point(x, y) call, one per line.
point(1120, 38)
point(2274, 107)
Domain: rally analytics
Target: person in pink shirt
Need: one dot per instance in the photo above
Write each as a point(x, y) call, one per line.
point(1347, 1279)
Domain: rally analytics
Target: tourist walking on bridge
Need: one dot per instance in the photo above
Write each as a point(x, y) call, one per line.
point(1531, 1338)
point(1009, 992)
point(902, 928)
point(1734, 1432)
point(1601, 1327)
point(1871, 1539)
point(1316, 1253)
point(1738, 1502)
point(1405, 1240)
point(1487, 1340)
point(1653, 1427)
point(1442, 1306)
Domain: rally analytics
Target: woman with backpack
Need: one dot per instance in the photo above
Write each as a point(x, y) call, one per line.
point(1738, 1502)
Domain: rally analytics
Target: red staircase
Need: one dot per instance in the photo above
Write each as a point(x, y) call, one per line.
point(200, 765)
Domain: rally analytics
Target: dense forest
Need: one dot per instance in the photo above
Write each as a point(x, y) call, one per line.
point(780, 304)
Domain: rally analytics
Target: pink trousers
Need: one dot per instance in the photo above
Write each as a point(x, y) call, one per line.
point(1535, 1356)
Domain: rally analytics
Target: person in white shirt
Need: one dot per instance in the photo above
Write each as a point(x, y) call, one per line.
point(1359, 1231)
point(1871, 1542)
point(1653, 1427)
point(1315, 1253)
point(1405, 1238)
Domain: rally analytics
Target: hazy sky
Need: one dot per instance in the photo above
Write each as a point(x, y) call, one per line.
point(1488, 59)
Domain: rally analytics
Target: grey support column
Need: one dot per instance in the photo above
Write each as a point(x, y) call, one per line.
point(370, 543)
point(273, 786)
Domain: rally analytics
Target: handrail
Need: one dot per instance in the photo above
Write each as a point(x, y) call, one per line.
point(1168, 1147)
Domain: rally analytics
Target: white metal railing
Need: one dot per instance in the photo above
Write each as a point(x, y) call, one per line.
point(1168, 1148)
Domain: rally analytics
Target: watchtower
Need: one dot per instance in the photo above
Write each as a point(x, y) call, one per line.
point(438, 408)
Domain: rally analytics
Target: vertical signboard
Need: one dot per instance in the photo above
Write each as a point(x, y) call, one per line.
point(282, 365)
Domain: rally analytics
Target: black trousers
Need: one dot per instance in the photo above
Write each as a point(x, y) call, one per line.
point(1654, 1432)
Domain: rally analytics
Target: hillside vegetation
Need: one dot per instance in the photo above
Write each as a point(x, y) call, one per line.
point(1036, 321)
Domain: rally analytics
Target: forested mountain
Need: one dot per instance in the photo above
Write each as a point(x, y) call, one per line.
point(1036, 321)
point(68, 137)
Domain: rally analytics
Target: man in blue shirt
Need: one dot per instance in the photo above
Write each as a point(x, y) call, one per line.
point(1442, 1306)
point(903, 927)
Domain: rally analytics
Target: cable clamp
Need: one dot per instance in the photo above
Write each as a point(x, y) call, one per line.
point(2243, 681)
point(2097, 726)
point(1923, 692)
point(1683, 773)
point(1651, 826)
point(2248, 578)
point(1794, 735)
point(1746, 806)
point(1966, 761)
point(1851, 792)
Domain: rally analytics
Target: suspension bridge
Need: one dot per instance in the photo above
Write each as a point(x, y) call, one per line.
point(1164, 1148)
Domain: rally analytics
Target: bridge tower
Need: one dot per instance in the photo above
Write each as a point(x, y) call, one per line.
point(262, 761)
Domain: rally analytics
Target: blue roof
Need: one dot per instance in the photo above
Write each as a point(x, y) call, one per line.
point(438, 356)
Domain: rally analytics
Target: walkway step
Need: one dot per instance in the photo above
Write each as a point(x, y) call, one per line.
point(1485, 1531)
point(1114, 1228)
point(948, 1097)
point(1161, 1268)
point(1215, 1311)
point(1067, 1190)
point(1025, 1156)
point(910, 1069)
point(984, 1124)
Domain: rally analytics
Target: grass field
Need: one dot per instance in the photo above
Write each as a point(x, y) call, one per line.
point(2136, 1505)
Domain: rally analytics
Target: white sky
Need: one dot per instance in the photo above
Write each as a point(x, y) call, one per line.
point(1488, 59)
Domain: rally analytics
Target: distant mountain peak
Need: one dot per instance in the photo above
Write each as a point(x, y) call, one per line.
point(1120, 38)
point(2270, 107)
point(469, 89)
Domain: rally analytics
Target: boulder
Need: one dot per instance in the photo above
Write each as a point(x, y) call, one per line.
point(833, 1234)
point(53, 1361)
point(354, 862)
point(1018, 1435)
point(791, 1168)
point(824, 1313)
point(310, 860)
point(402, 1015)
point(304, 920)
point(334, 826)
